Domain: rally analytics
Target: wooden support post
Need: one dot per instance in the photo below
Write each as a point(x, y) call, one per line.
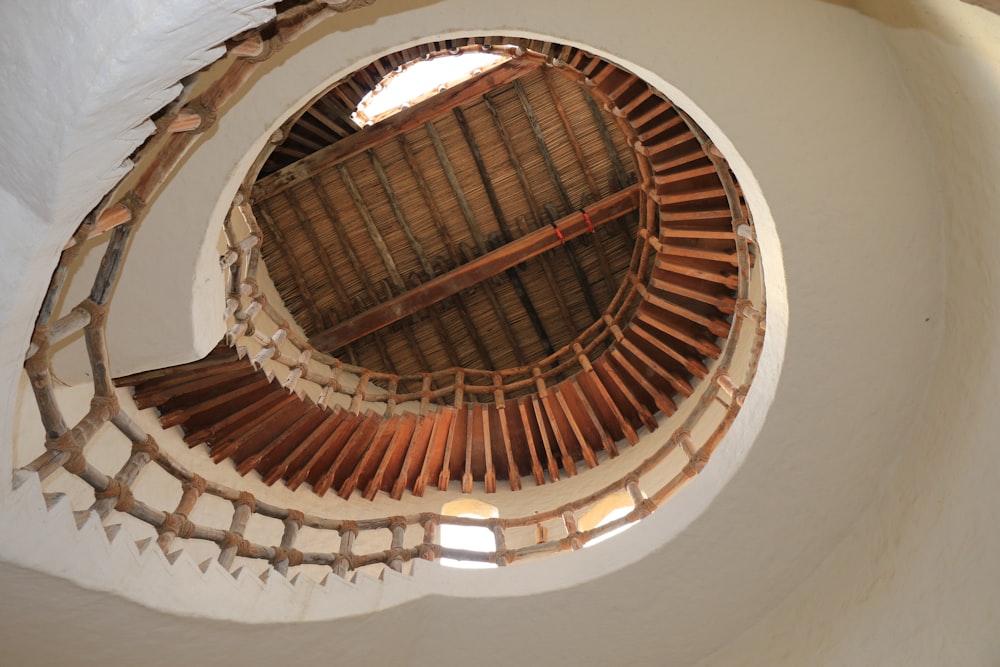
point(118, 494)
point(503, 556)
point(398, 527)
point(632, 486)
point(344, 560)
point(177, 524)
point(428, 549)
point(572, 530)
point(292, 525)
point(245, 506)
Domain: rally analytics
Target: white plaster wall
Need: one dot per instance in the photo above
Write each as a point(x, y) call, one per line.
point(842, 134)
point(916, 581)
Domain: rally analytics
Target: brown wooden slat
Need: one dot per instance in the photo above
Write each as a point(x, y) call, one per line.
point(351, 451)
point(578, 430)
point(434, 456)
point(414, 452)
point(372, 453)
point(400, 438)
point(306, 446)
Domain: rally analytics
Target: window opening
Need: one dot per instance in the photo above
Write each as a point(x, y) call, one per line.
point(470, 538)
point(608, 510)
point(416, 81)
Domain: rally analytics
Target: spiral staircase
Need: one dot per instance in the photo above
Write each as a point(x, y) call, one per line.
point(830, 586)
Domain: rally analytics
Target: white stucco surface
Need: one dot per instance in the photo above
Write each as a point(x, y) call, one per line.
point(858, 529)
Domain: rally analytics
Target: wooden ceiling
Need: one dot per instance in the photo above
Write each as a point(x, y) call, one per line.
point(376, 216)
point(496, 226)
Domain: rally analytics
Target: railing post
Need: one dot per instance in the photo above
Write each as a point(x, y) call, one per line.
point(572, 530)
point(293, 522)
point(632, 486)
point(348, 533)
point(503, 556)
point(245, 506)
point(177, 524)
point(428, 548)
point(118, 494)
point(398, 527)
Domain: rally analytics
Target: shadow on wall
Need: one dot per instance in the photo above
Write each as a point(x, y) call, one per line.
point(903, 15)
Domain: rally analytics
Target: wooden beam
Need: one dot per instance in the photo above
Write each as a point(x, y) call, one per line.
point(550, 166)
point(395, 125)
point(536, 211)
point(498, 213)
point(442, 229)
point(478, 270)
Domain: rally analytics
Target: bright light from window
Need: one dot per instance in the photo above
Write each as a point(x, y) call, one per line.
point(419, 80)
point(471, 538)
point(611, 516)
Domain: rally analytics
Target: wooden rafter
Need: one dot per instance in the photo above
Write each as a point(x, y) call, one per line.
point(478, 270)
point(401, 122)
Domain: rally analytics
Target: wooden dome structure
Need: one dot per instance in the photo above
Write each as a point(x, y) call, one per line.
point(521, 272)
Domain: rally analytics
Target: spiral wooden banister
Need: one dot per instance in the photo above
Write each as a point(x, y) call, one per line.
point(595, 390)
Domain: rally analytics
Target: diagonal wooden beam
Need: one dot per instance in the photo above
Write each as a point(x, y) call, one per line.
point(479, 269)
point(395, 125)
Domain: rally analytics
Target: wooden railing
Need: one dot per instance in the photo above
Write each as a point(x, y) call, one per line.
point(698, 434)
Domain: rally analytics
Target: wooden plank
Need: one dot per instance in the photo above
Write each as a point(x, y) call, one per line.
point(476, 271)
point(538, 411)
point(358, 442)
point(456, 436)
point(660, 320)
point(404, 121)
point(414, 451)
point(434, 456)
point(375, 448)
point(562, 438)
point(267, 457)
point(225, 445)
point(529, 437)
point(662, 401)
point(305, 447)
point(578, 400)
point(618, 389)
point(693, 366)
point(331, 444)
point(597, 394)
point(398, 443)
point(571, 417)
point(155, 395)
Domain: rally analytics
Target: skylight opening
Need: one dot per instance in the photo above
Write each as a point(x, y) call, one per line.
point(418, 80)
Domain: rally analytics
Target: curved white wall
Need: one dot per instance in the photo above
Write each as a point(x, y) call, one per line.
point(878, 448)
